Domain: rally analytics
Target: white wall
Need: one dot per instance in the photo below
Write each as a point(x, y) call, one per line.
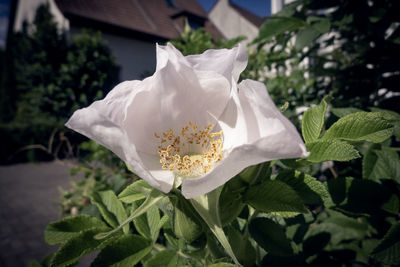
point(26, 10)
point(136, 58)
point(230, 23)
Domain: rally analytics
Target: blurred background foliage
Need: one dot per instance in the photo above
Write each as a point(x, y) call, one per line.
point(345, 49)
point(47, 77)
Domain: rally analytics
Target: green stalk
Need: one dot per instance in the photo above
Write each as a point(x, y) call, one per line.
point(207, 206)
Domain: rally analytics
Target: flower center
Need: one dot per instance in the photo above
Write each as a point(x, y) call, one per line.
point(191, 153)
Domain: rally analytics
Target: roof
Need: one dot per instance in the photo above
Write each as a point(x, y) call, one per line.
point(156, 18)
point(251, 17)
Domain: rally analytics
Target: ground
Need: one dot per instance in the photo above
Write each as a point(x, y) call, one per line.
point(28, 202)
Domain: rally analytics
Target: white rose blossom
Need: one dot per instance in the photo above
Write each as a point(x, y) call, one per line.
point(191, 122)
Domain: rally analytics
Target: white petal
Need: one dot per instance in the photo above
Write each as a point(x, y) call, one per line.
point(101, 122)
point(232, 123)
point(228, 62)
point(173, 96)
point(169, 54)
point(269, 136)
point(264, 120)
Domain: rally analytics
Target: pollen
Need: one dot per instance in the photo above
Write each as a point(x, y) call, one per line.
point(190, 152)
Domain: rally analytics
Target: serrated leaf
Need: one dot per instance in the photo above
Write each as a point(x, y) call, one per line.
point(153, 198)
point(135, 191)
point(331, 149)
point(167, 258)
point(338, 188)
point(126, 251)
point(80, 245)
point(278, 25)
point(241, 246)
point(365, 197)
point(315, 243)
point(322, 25)
point(341, 112)
point(111, 208)
point(381, 164)
point(392, 205)
point(310, 190)
point(388, 250)
point(270, 236)
point(34, 264)
point(340, 228)
point(186, 223)
point(389, 114)
point(361, 126)
point(207, 206)
point(61, 231)
point(305, 37)
point(148, 224)
point(222, 264)
point(231, 199)
point(274, 196)
point(313, 121)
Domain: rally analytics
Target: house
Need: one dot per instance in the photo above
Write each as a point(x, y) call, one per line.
point(233, 20)
point(131, 27)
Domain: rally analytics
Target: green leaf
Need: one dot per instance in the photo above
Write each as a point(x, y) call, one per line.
point(388, 250)
point(167, 258)
point(126, 251)
point(338, 188)
point(111, 208)
point(330, 149)
point(278, 25)
point(148, 224)
point(61, 231)
point(231, 199)
point(313, 121)
point(322, 25)
point(135, 191)
point(274, 196)
point(314, 244)
point(153, 198)
point(381, 164)
point(305, 37)
point(186, 222)
point(207, 206)
point(341, 112)
point(361, 126)
point(222, 264)
point(340, 228)
point(34, 264)
point(270, 236)
point(310, 190)
point(365, 197)
point(392, 205)
point(241, 246)
point(78, 246)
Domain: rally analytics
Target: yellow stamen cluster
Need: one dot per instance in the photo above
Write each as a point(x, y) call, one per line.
point(192, 152)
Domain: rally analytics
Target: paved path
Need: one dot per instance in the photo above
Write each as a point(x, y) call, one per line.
point(28, 202)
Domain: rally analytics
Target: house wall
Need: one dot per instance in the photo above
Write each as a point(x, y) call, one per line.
point(136, 58)
point(230, 22)
point(26, 10)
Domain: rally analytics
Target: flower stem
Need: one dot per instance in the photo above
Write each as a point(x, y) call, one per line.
point(207, 206)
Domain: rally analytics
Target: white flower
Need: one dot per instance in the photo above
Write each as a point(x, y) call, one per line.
point(191, 122)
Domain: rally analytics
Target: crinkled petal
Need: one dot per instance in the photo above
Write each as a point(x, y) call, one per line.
point(173, 96)
point(101, 122)
point(227, 62)
point(269, 135)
